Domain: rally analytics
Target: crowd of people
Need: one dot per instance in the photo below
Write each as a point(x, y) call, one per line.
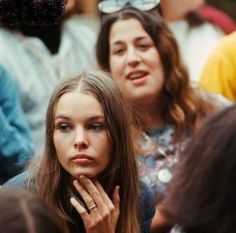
point(120, 123)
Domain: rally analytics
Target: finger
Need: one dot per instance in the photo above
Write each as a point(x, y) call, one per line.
point(116, 197)
point(91, 188)
point(81, 210)
point(96, 191)
point(102, 192)
point(114, 204)
point(84, 194)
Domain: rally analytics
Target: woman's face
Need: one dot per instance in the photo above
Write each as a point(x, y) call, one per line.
point(80, 137)
point(135, 62)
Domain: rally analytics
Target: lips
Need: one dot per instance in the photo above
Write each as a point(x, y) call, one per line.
point(137, 74)
point(82, 159)
point(79, 156)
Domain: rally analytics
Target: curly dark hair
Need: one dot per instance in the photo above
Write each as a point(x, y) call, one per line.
point(14, 13)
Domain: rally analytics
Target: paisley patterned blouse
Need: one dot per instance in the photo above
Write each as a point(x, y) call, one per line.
point(160, 154)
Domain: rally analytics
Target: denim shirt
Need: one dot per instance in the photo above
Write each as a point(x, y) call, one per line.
point(15, 143)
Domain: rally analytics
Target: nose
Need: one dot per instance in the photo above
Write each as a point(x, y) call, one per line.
point(133, 58)
point(80, 140)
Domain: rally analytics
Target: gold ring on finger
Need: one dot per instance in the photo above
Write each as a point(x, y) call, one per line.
point(92, 207)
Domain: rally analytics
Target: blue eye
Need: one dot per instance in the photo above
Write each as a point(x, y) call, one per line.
point(96, 127)
point(64, 127)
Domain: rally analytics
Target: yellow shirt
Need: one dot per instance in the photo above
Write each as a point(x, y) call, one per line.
point(219, 73)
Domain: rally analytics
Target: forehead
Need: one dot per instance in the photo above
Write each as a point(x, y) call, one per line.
point(77, 103)
point(126, 29)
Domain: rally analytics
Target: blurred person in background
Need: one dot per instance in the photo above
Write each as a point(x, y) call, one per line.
point(16, 146)
point(24, 212)
point(196, 26)
point(195, 35)
point(219, 72)
point(228, 6)
point(202, 195)
point(86, 11)
point(39, 45)
point(218, 18)
point(141, 54)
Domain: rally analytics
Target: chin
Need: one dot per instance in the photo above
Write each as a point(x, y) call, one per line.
point(87, 174)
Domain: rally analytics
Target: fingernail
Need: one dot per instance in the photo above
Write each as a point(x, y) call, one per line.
point(72, 200)
point(82, 177)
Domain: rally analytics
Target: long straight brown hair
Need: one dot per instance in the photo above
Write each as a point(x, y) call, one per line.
point(122, 169)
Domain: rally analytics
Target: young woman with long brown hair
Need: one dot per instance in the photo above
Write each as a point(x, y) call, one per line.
point(89, 160)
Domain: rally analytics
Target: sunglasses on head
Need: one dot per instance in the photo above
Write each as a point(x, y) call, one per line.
point(111, 6)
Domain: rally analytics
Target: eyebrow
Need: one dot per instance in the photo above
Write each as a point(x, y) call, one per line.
point(136, 39)
point(92, 118)
point(61, 116)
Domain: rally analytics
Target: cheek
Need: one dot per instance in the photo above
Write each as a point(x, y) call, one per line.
point(116, 67)
point(60, 153)
point(56, 145)
point(108, 152)
point(117, 74)
point(106, 149)
point(155, 56)
point(59, 143)
point(156, 63)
